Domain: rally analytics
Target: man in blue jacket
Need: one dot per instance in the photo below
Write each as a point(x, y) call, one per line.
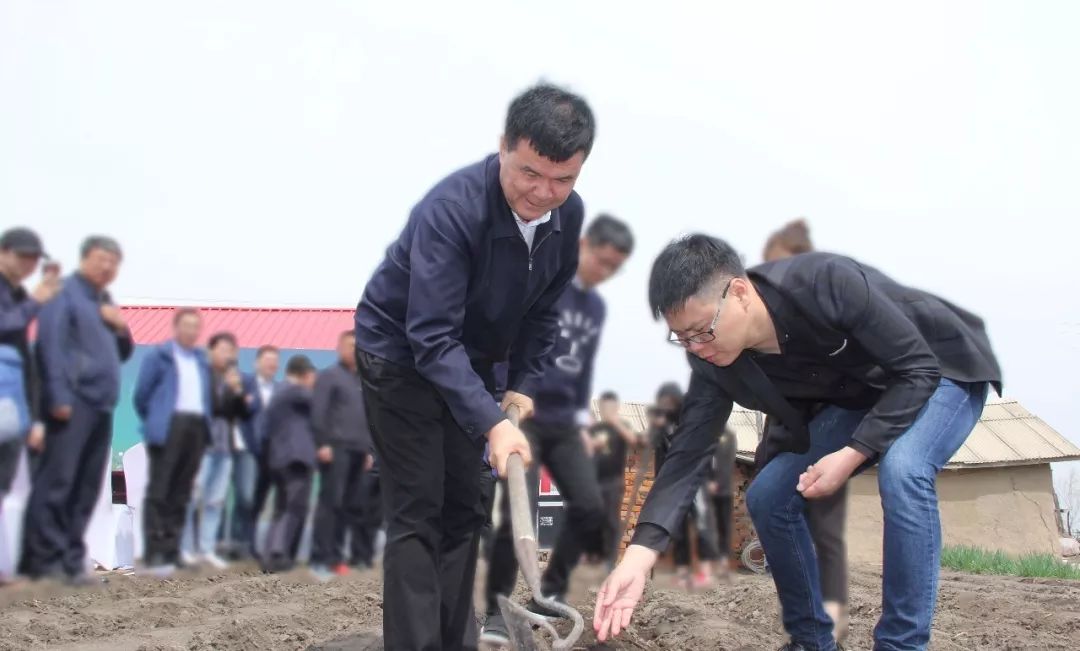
point(471, 281)
point(172, 398)
point(82, 340)
point(555, 431)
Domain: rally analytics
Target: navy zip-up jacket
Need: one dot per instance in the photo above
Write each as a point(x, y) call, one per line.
point(460, 291)
point(79, 355)
point(287, 432)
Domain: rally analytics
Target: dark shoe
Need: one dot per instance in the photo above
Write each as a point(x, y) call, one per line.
point(544, 611)
point(495, 631)
point(84, 581)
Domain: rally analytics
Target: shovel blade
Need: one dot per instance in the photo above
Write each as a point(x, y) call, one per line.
point(520, 628)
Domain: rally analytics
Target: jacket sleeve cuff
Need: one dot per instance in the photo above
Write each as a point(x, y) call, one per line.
point(652, 536)
point(870, 453)
point(490, 415)
point(523, 383)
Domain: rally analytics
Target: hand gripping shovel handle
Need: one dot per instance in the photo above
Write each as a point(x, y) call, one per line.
point(525, 548)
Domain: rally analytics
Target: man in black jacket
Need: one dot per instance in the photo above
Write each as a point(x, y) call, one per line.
point(20, 252)
point(290, 453)
point(471, 281)
point(344, 453)
point(853, 370)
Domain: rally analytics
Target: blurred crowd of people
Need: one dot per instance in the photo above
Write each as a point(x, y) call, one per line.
point(217, 439)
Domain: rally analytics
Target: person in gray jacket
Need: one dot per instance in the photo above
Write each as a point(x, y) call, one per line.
point(344, 454)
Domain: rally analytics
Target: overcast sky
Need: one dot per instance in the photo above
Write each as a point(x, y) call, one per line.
point(265, 153)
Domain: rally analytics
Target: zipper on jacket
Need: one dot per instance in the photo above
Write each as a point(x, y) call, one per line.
point(536, 248)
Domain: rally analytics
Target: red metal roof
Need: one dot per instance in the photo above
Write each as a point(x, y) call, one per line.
point(303, 328)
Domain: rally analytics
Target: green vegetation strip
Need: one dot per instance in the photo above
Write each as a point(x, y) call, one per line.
point(981, 561)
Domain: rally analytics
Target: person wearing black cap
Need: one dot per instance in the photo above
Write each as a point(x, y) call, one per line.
point(20, 253)
point(290, 449)
point(82, 341)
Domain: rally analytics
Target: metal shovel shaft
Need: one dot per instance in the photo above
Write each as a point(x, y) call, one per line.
point(525, 548)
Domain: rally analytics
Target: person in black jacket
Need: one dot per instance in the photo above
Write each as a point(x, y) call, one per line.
point(471, 281)
point(229, 405)
point(664, 422)
point(290, 451)
point(611, 439)
point(344, 453)
point(20, 252)
point(853, 369)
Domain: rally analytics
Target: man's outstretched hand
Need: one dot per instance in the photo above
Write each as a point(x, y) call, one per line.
point(621, 592)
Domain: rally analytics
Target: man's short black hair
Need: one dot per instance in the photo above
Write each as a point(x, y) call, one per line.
point(219, 337)
point(609, 396)
point(264, 349)
point(556, 122)
point(185, 311)
point(686, 267)
point(299, 365)
point(105, 243)
point(605, 230)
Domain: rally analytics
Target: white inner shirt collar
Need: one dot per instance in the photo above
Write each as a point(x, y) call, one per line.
point(528, 229)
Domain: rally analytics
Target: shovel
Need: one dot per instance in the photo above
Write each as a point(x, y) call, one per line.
point(520, 621)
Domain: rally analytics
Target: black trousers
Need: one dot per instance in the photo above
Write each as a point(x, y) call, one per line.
point(292, 495)
point(826, 518)
point(611, 490)
point(362, 543)
point(562, 451)
point(263, 483)
point(65, 489)
point(340, 505)
point(699, 521)
point(723, 508)
point(173, 467)
point(430, 471)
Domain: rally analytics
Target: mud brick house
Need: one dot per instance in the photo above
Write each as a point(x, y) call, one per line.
point(996, 492)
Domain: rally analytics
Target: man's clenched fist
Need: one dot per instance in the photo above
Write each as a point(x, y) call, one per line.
point(503, 440)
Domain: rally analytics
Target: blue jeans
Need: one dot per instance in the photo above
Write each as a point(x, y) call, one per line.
point(241, 531)
point(208, 497)
point(906, 480)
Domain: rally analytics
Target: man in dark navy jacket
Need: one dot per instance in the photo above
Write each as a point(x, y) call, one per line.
point(555, 431)
point(471, 281)
point(290, 457)
point(853, 369)
point(82, 341)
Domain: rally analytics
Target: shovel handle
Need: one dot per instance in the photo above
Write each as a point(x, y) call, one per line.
point(521, 518)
